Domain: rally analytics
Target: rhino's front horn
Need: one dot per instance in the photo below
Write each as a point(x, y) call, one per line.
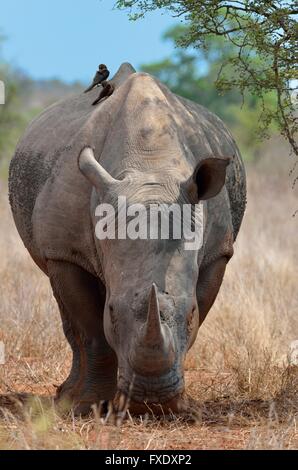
point(153, 352)
point(95, 173)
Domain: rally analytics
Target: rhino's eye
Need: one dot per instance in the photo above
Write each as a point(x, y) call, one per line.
point(190, 318)
point(113, 317)
point(114, 322)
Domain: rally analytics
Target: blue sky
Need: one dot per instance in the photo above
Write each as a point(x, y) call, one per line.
point(67, 39)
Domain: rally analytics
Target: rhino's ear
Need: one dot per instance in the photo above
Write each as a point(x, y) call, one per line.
point(208, 178)
point(94, 172)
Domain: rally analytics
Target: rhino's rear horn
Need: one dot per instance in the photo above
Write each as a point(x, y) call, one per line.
point(153, 352)
point(95, 173)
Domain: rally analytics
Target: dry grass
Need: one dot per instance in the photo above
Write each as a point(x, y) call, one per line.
point(237, 370)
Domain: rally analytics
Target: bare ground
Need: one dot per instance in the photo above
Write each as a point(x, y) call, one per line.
point(238, 371)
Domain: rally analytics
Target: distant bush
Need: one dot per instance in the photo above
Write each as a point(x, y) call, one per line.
point(24, 99)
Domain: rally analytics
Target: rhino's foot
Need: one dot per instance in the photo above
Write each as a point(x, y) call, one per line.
point(93, 385)
point(66, 403)
point(91, 381)
point(68, 400)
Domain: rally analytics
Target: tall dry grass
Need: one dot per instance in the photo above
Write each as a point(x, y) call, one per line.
point(238, 369)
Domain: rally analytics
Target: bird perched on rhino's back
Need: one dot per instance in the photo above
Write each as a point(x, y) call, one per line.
point(101, 75)
point(107, 90)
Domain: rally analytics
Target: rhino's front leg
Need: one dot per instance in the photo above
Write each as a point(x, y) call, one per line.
point(81, 297)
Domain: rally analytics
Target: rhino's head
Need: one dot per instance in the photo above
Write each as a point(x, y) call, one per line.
point(151, 313)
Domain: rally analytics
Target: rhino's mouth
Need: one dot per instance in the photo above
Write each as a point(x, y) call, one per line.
point(173, 406)
point(181, 404)
point(143, 391)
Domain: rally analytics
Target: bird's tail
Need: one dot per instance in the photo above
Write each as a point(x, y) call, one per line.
point(89, 89)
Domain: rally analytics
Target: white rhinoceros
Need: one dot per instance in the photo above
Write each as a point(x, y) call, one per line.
point(130, 309)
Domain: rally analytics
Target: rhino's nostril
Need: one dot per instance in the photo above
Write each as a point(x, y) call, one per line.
point(162, 316)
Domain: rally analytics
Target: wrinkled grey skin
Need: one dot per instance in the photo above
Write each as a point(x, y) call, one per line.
point(127, 306)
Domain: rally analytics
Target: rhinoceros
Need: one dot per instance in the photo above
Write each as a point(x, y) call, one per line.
point(130, 309)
